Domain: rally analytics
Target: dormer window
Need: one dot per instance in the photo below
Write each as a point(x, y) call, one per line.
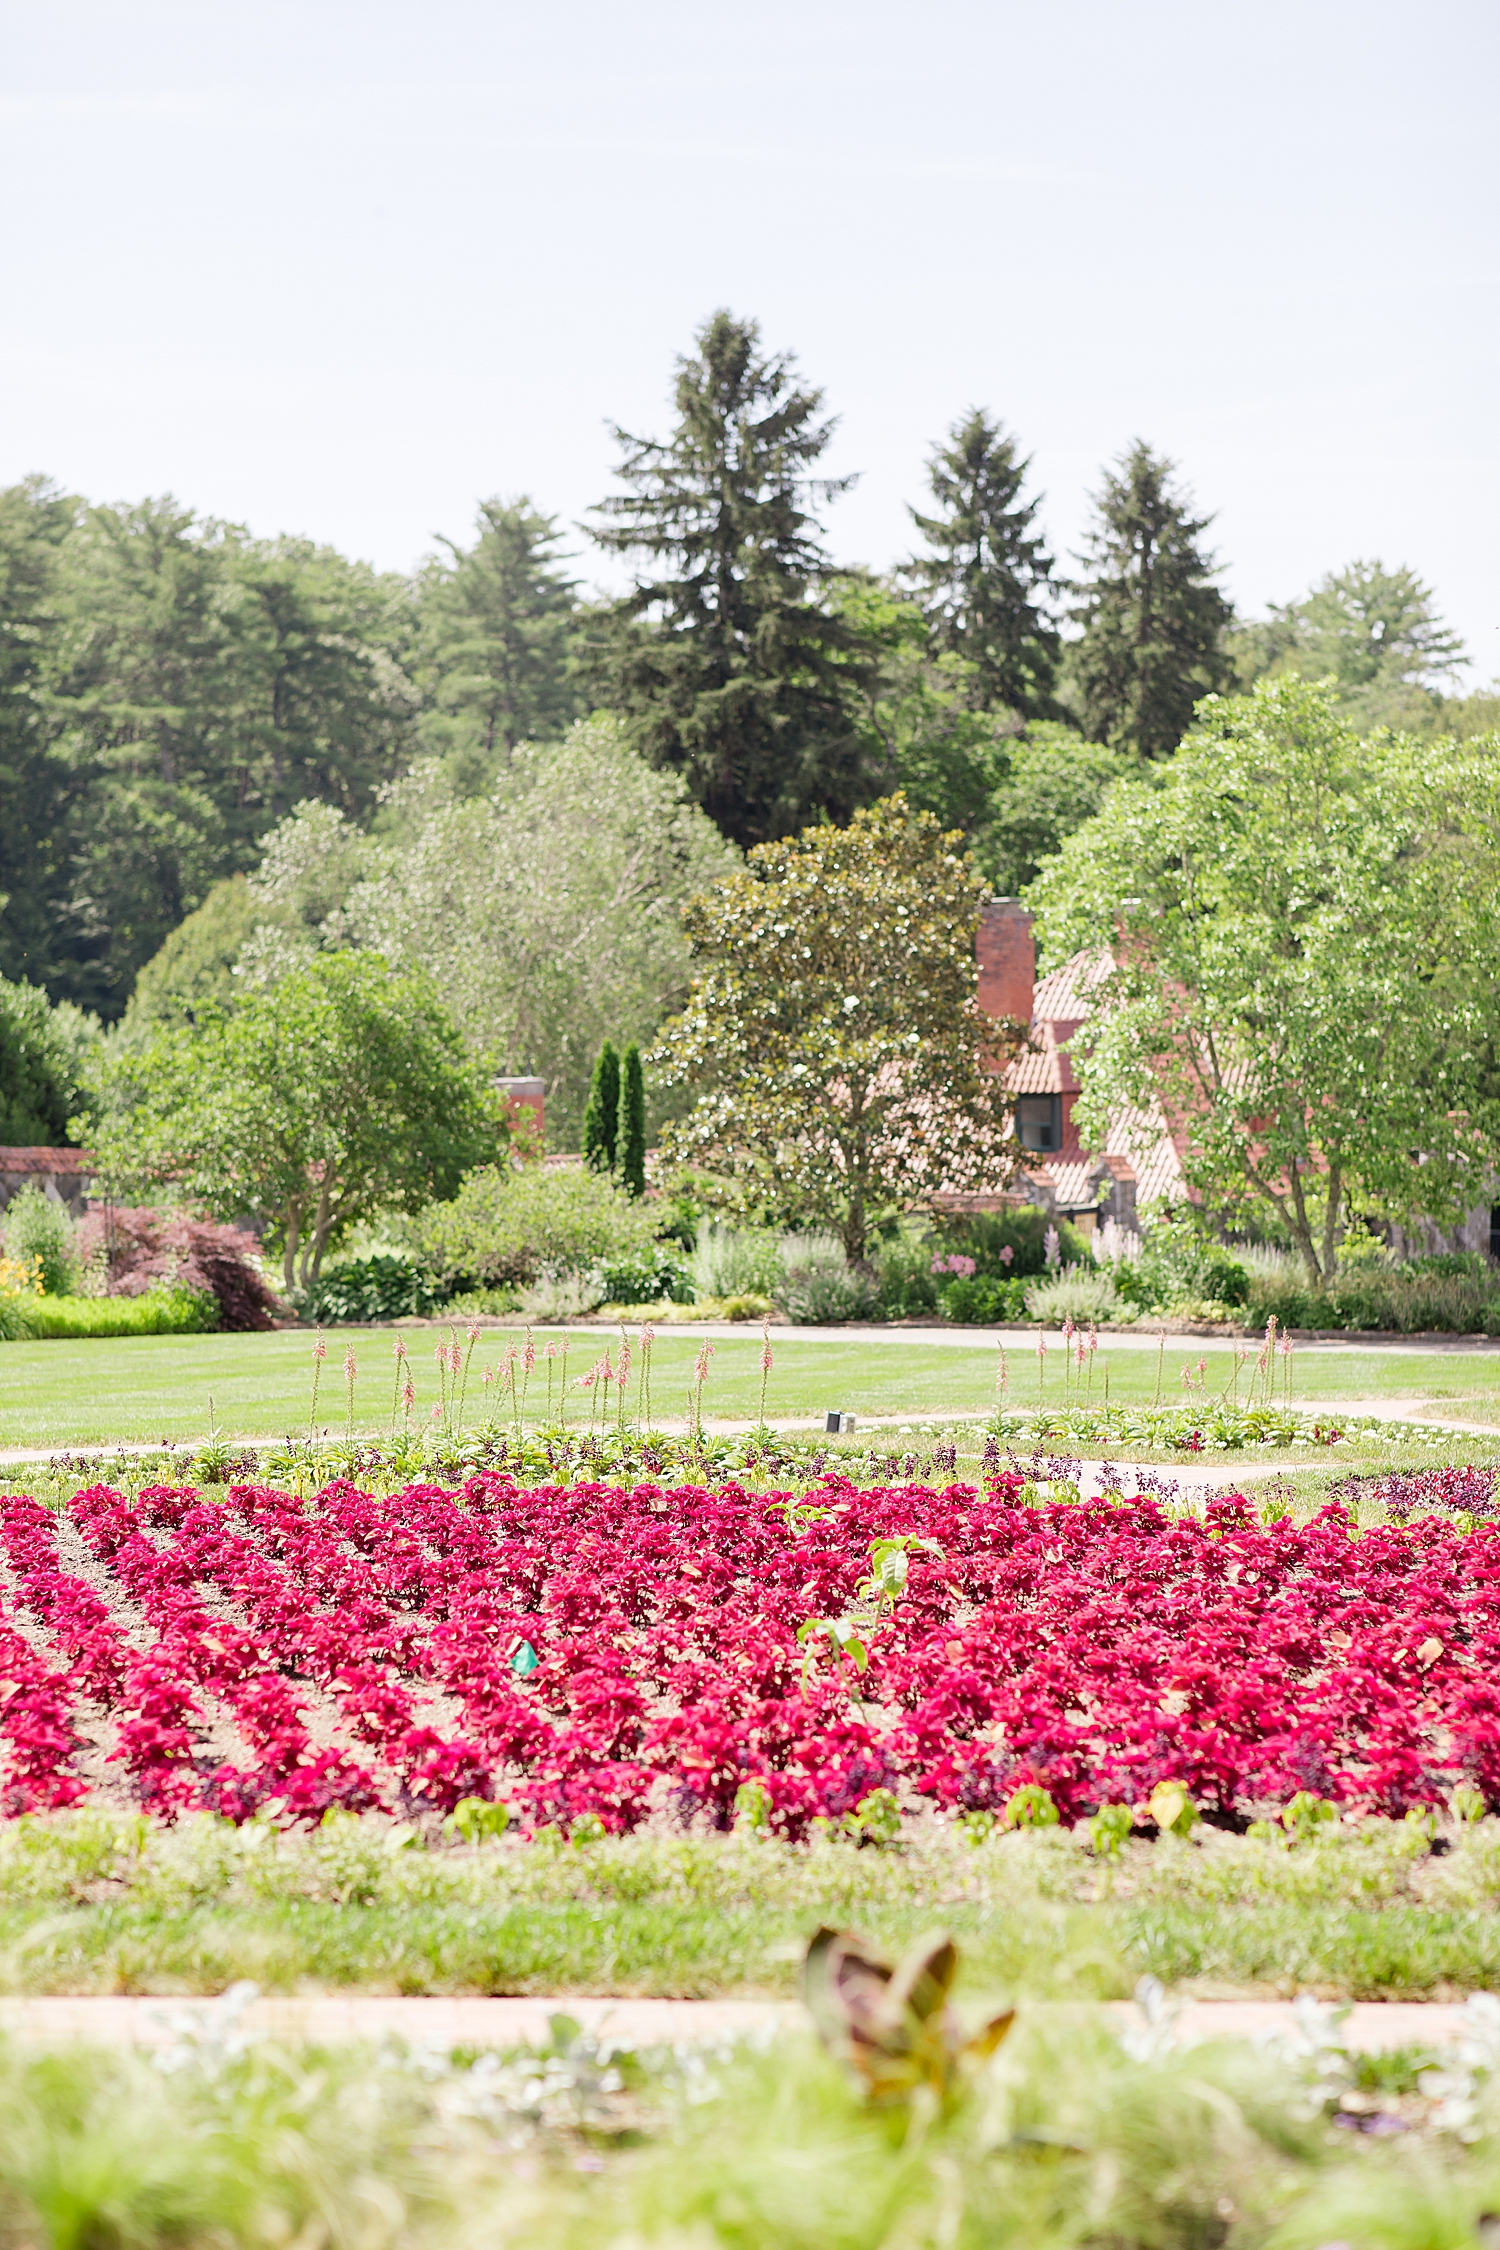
point(1039, 1120)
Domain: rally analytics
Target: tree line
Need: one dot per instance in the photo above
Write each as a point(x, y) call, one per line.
point(172, 689)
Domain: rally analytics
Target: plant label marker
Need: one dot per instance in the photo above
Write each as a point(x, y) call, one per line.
point(838, 1425)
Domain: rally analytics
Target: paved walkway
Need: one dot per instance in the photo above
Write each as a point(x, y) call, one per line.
point(335, 2018)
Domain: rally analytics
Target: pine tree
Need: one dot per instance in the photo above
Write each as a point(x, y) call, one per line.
point(1153, 620)
point(633, 1122)
point(983, 585)
point(601, 1118)
point(725, 660)
point(497, 625)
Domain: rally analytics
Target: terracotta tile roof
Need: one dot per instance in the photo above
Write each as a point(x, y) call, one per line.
point(55, 1160)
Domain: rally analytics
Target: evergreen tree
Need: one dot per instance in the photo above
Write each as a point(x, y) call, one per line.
point(497, 624)
point(601, 1118)
point(633, 1122)
point(35, 936)
point(983, 584)
point(1154, 622)
point(726, 662)
point(200, 685)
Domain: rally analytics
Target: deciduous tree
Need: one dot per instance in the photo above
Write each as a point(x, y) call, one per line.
point(1298, 945)
point(314, 1103)
point(840, 1060)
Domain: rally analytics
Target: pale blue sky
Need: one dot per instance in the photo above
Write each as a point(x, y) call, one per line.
point(343, 267)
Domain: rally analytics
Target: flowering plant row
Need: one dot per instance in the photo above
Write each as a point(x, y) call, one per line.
point(620, 1652)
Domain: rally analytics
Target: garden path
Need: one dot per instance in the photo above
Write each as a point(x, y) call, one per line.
point(444, 2023)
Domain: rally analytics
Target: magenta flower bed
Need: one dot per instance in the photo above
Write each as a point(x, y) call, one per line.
point(253, 1651)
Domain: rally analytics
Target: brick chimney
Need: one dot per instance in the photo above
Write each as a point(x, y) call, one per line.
point(1006, 953)
point(524, 1094)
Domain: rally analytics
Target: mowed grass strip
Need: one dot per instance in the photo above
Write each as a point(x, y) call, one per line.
point(95, 1902)
point(96, 1391)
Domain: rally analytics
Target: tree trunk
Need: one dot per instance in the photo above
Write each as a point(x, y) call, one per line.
point(289, 1250)
point(854, 1227)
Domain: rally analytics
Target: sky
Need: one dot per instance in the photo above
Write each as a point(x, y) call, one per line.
point(344, 268)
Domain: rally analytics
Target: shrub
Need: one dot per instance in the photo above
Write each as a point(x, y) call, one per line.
point(161, 1311)
point(1419, 1297)
point(131, 1251)
point(736, 1262)
point(646, 1278)
point(1180, 1265)
point(557, 1295)
point(1084, 1291)
point(382, 1287)
point(819, 1286)
point(908, 1285)
point(508, 1223)
point(38, 1227)
point(981, 1298)
point(42, 1054)
point(987, 1237)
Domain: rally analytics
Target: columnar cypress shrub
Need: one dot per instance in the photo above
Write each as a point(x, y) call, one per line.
point(633, 1122)
point(601, 1119)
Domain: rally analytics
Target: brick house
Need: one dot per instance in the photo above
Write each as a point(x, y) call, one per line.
point(1139, 1163)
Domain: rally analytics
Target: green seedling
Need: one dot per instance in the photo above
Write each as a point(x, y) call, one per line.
point(1030, 1806)
point(475, 1820)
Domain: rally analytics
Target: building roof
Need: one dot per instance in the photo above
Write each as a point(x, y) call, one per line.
point(1061, 1002)
point(44, 1160)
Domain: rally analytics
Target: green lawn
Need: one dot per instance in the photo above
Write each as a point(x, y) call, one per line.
point(93, 1903)
point(92, 1391)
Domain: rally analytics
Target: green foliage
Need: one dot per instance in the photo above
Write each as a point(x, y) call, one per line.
point(340, 1092)
point(195, 964)
point(903, 1261)
point(1085, 1291)
point(983, 583)
point(982, 1299)
point(37, 1226)
point(633, 1122)
point(166, 1311)
point(601, 1117)
point(1054, 782)
point(39, 938)
point(1375, 634)
point(736, 1261)
point(44, 1054)
point(382, 1287)
point(724, 660)
point(819, 1286)
point(200, 683)
point(1410, 1299)
point(548, 912)
point(1008, 1245)
point(833, 1039)
point(1153, 621)
point(646, 1278)
point(496, 624)
point(511, 1223)
point(1030, 1806)
point(1180, 1264)
point(1305, 950)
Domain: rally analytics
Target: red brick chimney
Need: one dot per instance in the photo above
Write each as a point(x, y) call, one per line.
point(1006, 952)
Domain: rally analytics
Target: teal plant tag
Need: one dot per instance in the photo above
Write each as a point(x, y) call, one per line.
point(523, 1659)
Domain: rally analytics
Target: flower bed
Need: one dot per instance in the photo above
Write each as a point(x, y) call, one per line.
point(620, 1653)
